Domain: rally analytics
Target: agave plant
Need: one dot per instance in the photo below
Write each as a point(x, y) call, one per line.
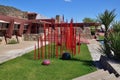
point(114, 39)
point(114, 43)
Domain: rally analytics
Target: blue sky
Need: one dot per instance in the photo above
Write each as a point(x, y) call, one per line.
point(76, 9)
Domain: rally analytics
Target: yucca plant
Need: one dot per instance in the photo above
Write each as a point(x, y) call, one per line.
point(106, 19)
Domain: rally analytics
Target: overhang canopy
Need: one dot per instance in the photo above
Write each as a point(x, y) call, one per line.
point(1, 21)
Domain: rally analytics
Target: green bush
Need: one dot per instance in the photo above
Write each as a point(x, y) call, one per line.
point(114, 39)
point(92, 31)
point(12, 42)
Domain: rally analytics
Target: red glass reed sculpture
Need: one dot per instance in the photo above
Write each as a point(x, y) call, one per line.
point(65, 36)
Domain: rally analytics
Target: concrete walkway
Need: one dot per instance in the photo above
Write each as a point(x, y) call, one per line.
point(94, 47)
point(11, 51)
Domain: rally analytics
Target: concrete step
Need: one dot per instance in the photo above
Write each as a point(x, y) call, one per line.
point(88, 76)
point(98, 75)
point(118, 78)
point(109, 77)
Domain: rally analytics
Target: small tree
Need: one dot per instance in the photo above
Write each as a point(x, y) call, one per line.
point(106, 19)
point(88, 20)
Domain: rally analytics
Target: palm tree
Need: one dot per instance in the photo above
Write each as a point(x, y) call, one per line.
point(106, 19)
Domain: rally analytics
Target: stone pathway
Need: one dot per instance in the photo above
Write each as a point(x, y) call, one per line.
point(94, 47)
point(12, 51)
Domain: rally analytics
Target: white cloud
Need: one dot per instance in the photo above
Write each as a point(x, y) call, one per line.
point(68, 0)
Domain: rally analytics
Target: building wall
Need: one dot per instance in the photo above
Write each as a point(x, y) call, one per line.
point(2, 39)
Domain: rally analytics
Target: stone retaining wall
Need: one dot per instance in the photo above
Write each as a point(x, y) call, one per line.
point(31, 37)
point(106, 64)
point(2, 39)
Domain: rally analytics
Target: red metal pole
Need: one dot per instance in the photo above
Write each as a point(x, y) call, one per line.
point(43, 56)
point(72, 40)
point(64, 34)
point(41, 45)
point(61, 40)
point(79, 45)
point(56, 42)
point(54, 39)
point(35, 52)
point(49, 43)
point(42, 49)
point(38, 50)
point(71, 35)
point(75, 41)
point(67, 36)
point(45, 40)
